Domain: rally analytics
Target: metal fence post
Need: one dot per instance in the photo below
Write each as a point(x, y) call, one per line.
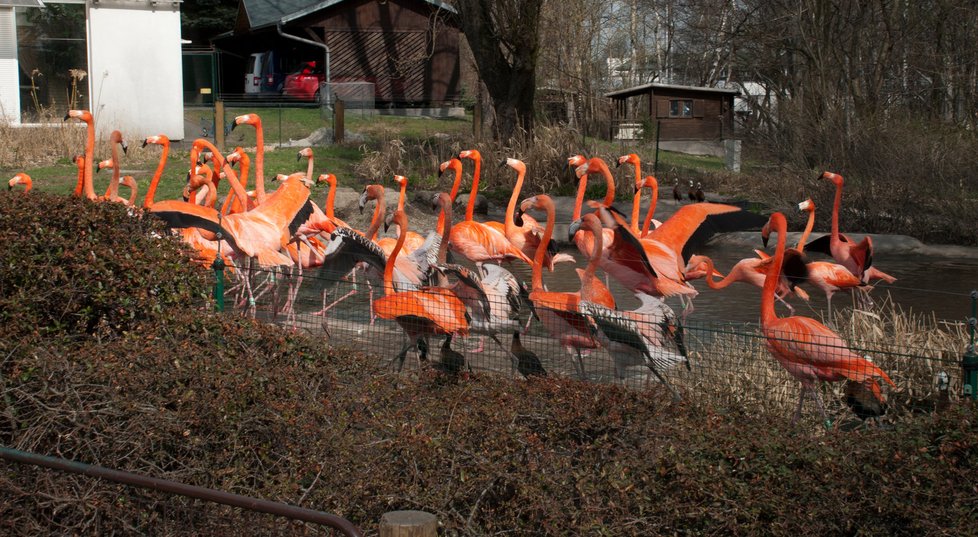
point(218, 267)
point(969, 364)
point(658, 130)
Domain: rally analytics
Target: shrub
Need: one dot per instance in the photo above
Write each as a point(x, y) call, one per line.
point(70, 267)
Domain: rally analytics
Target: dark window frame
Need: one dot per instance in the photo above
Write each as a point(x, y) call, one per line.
point(681, 108)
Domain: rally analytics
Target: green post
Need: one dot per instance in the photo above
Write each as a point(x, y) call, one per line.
point(969, 365)
point(218, 267)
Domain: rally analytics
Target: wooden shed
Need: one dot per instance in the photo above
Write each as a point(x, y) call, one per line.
point(407, 48)
point(680, 112)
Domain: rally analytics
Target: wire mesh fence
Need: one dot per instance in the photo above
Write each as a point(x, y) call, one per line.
point(521, 334)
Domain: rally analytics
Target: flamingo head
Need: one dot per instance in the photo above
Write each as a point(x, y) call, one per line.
point(159, 139)
point(370, 192)
point(775, 224)
point(79, 160)
point(115, 137)
point(630, 158)
point(107, 163)
point(581, 171)
point(327, 178)
point(836, 179)
point(648, 182)
point(304, 152)
point(249, 119)
point(807, 205)
point(127, 180)
point(472, 154)
point(442, 201)
point(540, 201)
point(698, 267)
point(516, 164)
point(82, 115)
point(454, 164)
point(233, 157)
point(397, 217)
point(576, 161)
point(20, 179)
point(401, 181)
point(766, 233)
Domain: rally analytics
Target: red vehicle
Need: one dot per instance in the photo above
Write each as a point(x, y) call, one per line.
point(304, 84)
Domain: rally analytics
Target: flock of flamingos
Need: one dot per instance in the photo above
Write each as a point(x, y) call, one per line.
point(428, 296)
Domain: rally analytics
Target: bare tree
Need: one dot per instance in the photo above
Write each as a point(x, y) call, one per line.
point(504, 38)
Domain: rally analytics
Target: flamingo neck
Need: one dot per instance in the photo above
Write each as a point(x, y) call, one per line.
point(378, 217)
point(210, 197)
point(807, 232)
point(401, 196)
point(389, 268)
point(232, 201)
point(132, 195)
point(508, 222)
point(768, 315)
point(330, 199)
point(236, 185)
point(542, 247)
point(309, 169)
point(259, 163)
point(732, 276)
point(440, 226)
point(470, 208)
point(835, 212)
point(648, 215)
point(446, 220)
point(637, 200)
point(151, 191)
point(89, 159)
point(609, 198)
point(579, 202)
point(113, 191)
point(592, 265)
point(81, 178)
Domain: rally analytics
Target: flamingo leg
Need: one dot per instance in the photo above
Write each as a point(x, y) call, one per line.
point(821, 406)
point(412, 343)
point(675, 394)
point(801, 401)
point(513, 360)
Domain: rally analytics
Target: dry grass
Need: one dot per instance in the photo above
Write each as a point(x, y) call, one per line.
point(26, 147)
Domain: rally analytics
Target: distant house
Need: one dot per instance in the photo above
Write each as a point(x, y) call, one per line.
point(408, 49)
point(118, 58)
point(681, 112)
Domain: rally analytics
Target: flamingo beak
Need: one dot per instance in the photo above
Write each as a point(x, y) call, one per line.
point(503, 163)
point(145, 143)
point(518, 217)
point(764, 239)
point(298, 156)
point(572, 230)
point(125, 148)
point(363, 201)
point(67, 117)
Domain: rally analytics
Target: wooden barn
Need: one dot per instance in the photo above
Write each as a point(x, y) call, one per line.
point(409, 49)
point(681, 112)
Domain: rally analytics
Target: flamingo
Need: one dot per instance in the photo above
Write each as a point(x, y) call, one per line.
point(829, 277)
point(421, 313)
point(631, 337)
point(84, 115)
point(232, 204)
point(653, 183)
point(526, 236)
point(414, 240)
point(330, 180)
point(163, 141)
point(21, 179)
point(115, 140)
point(806, 348)
point(130, 181)
point(492, 298)
point(855, 257)
point(635, 161)
point(476, 241)
point(455, 165)
point(749, 270)
point(79, 161)
point(559, 312)
point(255, 121)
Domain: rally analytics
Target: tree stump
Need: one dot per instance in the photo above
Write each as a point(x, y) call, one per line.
point(408, 524)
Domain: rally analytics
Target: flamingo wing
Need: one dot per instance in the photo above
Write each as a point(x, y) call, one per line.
point(345, 249)
point(502, 289)
point(694, 224)
point(183, 215)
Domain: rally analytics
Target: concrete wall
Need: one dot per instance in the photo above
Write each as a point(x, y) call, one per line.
point(9, 81)
point(135, 69)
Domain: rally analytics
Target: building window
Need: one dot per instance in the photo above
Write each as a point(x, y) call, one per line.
point(52, 56)
point(681, 108)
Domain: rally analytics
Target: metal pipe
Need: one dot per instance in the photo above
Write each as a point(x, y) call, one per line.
point(217, 496)
point(278, 27)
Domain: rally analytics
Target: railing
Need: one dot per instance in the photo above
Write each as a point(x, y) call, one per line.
point(654, 348)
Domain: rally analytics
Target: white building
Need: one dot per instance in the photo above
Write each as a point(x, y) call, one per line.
point(121, 59)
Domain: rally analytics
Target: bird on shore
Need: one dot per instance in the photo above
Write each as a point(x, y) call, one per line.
point(698, 194)
point(677, 194)
point(527, 363)
point(691, 193)
point(21, 179)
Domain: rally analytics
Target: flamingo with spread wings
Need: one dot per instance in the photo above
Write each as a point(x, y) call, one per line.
point(421, 313)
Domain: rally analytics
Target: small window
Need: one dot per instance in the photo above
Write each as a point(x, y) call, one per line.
point(681, 108)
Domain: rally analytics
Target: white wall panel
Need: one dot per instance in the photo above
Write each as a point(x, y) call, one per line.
point(135, 69)
point(9, 81)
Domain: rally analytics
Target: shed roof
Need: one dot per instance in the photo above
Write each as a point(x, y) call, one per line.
point(263, 13)
point(651, 88)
